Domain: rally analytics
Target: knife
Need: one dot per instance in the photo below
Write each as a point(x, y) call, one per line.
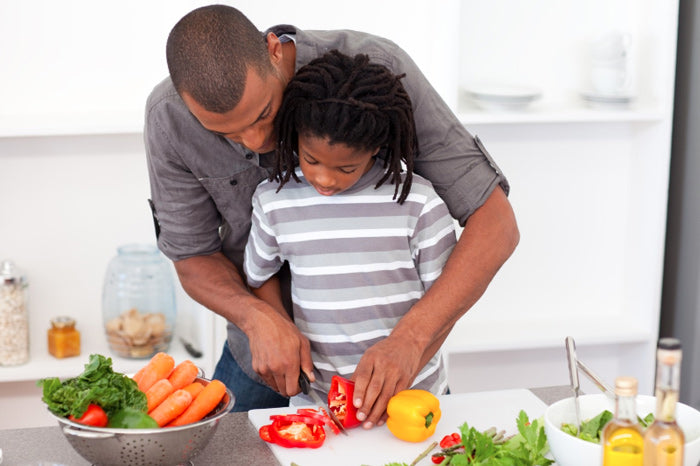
point(305, 385)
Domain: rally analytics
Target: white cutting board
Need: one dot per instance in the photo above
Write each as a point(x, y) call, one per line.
point(378, 446)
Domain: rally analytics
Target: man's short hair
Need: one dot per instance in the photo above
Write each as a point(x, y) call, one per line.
point(209, 52)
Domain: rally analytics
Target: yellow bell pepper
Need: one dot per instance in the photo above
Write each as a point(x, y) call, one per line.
point(413, 415)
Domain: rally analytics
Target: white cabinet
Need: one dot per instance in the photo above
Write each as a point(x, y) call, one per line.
point(589, 189)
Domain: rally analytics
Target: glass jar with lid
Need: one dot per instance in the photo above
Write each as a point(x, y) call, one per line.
point(138, 301)
point(14, 317)
point(63, 337)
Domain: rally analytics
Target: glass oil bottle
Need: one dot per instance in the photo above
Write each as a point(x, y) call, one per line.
point(664, 440)
point(622, 437)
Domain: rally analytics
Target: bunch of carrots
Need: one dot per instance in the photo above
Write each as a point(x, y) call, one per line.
point(174, 396)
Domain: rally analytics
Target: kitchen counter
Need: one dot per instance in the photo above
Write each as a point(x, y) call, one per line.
point(235, 442)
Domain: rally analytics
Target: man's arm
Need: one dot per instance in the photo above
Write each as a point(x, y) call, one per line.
point(489, 238)
point(278, 348)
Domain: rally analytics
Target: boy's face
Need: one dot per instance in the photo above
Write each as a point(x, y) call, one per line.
point(250, 123)
point(332, 168)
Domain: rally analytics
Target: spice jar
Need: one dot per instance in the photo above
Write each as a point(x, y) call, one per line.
point(63, 337)
point(14, 319)
point(138, 302)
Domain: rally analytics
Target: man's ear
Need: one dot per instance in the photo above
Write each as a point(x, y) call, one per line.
point(274, 48)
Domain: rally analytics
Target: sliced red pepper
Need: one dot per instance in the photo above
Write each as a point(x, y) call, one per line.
point(320, 415)
point(340, 401)
point(264, 432)
point(299, 417)
point(294, 431)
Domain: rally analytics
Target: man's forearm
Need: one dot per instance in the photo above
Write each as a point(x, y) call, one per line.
point(488, 240)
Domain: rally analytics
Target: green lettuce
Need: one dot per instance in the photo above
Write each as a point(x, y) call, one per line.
point(98, 384)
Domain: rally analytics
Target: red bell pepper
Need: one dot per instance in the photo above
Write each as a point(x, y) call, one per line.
point(340, 401)
point(300, 430)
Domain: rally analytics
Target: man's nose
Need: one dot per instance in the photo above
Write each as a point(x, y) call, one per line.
point(253, 138)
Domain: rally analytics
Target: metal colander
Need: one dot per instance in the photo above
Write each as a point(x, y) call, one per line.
point(141, 447)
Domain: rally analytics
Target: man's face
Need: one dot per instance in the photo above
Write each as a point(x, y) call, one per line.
point(250, 123)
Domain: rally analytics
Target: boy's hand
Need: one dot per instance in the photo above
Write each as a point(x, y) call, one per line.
point(385, 369)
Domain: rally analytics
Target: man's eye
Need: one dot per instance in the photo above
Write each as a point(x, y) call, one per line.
point(347, 171)
point(310, 161)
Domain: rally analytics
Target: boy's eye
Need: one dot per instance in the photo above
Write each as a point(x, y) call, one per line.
point(347, 171)
point(310, 161)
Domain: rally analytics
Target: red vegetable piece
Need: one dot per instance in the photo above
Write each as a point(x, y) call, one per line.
point(340, 401)
point(93, 416)
point(450, 440)
point(295, 430)
point(264, 432)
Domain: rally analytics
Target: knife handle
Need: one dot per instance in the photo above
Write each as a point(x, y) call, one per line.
point(304, 382)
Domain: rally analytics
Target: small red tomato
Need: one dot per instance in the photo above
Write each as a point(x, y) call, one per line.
point(450, 440)
point(93, 416)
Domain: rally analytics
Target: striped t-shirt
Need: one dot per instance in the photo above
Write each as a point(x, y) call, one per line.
point(358, 259)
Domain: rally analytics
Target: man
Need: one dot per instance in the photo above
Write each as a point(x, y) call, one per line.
point(209, 142)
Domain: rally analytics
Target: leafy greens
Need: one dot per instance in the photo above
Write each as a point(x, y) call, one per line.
point(526, 448)
point(98, 384)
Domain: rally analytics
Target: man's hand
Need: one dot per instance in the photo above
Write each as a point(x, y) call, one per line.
point(278, 350)
point(277, 347)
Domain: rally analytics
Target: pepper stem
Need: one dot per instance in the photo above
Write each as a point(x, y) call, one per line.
point(428, 419)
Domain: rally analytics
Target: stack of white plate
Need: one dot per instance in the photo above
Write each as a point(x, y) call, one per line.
point(599, 100)
point(504, 98)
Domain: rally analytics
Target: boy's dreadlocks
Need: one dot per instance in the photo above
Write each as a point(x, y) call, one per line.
point(351, 101)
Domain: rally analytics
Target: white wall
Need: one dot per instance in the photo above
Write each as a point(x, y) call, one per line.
point(73, 180)
point(84, 60)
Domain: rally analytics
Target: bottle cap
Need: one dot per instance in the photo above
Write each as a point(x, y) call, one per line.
point(10, 274)
point(63, 322)
point(626, 386)
point(669, 344)
point(669, 351)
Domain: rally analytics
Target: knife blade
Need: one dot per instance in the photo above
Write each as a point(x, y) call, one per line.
point(305, 385)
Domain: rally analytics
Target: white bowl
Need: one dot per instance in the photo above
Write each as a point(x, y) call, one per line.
point(571, 451)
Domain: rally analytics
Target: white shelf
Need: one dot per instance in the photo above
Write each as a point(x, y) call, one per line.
point(129, 123)
point(566, 114)
point(44, 365)
point(69, 124)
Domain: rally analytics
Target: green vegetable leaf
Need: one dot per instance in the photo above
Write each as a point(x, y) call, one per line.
point(590, 429)
point(646, 420)
point(98, 384)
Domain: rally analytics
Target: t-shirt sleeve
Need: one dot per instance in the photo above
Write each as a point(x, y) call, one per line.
point(433, 239)
point(262, 257)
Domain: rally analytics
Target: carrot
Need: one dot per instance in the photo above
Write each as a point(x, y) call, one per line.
point(203, 404)
point(159, 367)
point(137, 377)
point(183, 374)
point(195, 388)
point(171, 407)
point(158, 392)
